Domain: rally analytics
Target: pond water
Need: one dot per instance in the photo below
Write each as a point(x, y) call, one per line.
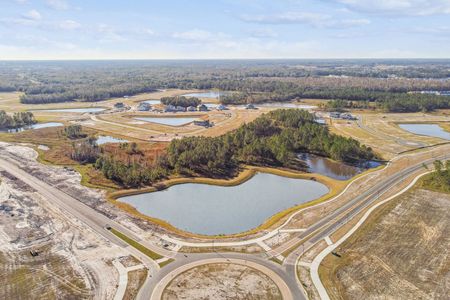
point(104, 139)
point(210, 94)
point(427, 129)
point(287, 105)
point(152, 102)
point(34, 126)
point(74, 110)
point(208, 209)
point(334, 169)
point(175, 121)
point(211, 106)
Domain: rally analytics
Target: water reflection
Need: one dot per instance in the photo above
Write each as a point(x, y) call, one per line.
point(334, 169)
point(209, 209)
point(427, 129)
point(34, 126)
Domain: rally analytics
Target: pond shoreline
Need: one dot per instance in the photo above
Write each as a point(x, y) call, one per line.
point(334, 186)
point(426, 129)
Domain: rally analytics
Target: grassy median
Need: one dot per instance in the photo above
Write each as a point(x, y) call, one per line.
point(133, 243)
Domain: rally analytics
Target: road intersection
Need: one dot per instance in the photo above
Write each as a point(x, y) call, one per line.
point(284, 274)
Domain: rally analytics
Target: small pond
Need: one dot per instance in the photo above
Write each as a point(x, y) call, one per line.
point(105, 139)
point(287, 105)
point(209, 209)
point(175, 121)
point(427, 129)
point(211, 106)
point(334, 169)
point(34, 126)
point(210, 94)
point(152, 102)
point(74, 110)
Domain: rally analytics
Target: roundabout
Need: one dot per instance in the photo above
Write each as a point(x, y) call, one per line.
point(220, 278)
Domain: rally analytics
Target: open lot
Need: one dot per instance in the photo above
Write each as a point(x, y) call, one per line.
point(381, 132)
point(401, 252)
point(71, 261)
point(222, 281)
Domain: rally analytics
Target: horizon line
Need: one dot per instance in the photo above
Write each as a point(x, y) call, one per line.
point(226, 59)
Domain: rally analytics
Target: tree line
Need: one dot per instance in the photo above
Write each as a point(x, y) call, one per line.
point(181, 101)
point(382, 82)
point(17, 120)
point(273, 139)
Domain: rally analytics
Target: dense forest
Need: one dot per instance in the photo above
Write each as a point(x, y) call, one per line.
point(181, 101)
point(273, 139)
point(16, 120)
point(388, 83)
point(130, 174)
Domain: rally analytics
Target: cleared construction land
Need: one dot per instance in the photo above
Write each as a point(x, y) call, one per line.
point(381, 132)
point(401, 252)
point(222, 281)
point(121, 123)
point(45, 251)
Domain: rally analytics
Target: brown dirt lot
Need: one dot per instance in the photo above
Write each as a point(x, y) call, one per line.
point(47, 275)
point(220, 282)
point(400, 253)
point(135, 280)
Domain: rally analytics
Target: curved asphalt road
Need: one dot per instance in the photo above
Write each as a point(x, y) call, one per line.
point(341, 216)
point(287, 271)
point(392, 138)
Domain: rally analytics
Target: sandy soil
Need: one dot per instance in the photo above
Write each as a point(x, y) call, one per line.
point(401, 253)
point(304, 271)
point(73, 262)
point(221, 282)
point(135, 280)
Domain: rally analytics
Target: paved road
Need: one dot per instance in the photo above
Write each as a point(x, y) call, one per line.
point(341, 216)
point(95, 220)
point(95, 119)
point(398, 140)
point(287, 272)
point(287, 285)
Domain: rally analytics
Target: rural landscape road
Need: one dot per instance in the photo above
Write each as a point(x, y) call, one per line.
point(287, 271)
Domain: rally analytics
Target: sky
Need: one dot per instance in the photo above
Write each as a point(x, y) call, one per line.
point(211, 29)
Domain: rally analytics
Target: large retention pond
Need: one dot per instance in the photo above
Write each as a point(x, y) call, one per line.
point(208, 209)
point(427, 129)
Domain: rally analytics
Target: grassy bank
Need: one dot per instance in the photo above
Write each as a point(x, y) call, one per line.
point(57, 154)
point(134, 244)
point(335, 188)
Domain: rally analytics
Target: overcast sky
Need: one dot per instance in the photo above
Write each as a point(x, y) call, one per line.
point(139, 29)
